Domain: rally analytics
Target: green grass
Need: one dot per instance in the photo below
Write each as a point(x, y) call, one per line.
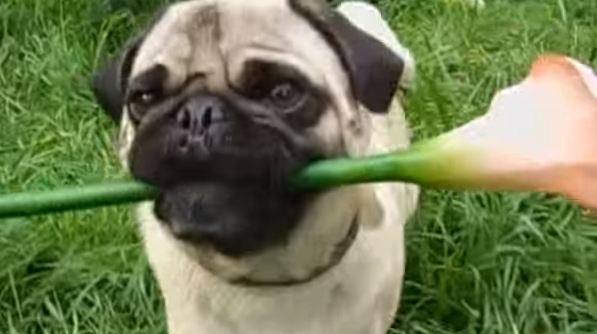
point(477, 263)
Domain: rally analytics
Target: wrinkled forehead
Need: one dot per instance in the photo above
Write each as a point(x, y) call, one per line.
point(217, 37)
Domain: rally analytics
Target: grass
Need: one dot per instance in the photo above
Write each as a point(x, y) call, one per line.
point(477, 262)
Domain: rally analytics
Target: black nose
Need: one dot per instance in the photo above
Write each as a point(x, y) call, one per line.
point(199, 113)
point(197, 118)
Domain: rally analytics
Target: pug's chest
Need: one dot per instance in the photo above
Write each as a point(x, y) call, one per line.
point(330, 311)
point(359, 296)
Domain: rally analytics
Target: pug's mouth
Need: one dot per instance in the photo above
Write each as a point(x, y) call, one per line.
point(234, 219)
point(223, 171)
point(235, 203)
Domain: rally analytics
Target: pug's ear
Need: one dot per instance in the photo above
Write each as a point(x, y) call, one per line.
point(374, 69)
point(109, 83)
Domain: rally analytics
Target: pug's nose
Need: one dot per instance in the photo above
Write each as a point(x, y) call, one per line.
point(196, 120)
point(199, 114)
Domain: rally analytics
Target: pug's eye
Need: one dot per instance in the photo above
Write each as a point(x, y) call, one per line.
point(144, 98)
point(147, 98)
point(139, 102)
point(286, 94)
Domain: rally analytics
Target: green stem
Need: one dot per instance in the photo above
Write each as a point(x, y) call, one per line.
point(434, 163)
point(74, 198)
point(431, 163)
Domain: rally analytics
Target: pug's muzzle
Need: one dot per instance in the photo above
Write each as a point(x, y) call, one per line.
point(222, 165)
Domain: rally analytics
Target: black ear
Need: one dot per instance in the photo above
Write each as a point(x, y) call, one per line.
point(374, 69)
point(109, 83)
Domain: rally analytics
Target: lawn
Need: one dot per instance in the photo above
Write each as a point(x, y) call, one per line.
point(477, 262)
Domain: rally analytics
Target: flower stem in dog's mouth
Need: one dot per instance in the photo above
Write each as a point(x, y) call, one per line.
point(539, 135)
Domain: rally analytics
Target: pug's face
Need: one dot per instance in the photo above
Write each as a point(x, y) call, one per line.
point(221, 101)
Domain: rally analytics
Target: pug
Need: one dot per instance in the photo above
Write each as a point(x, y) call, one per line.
point(220, 103)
